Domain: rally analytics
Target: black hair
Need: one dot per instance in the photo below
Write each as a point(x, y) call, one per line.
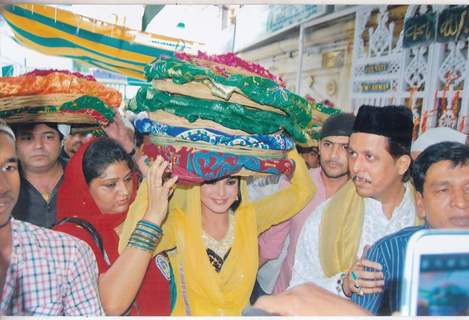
point(100, 154)
point(139, 138)
point(302, 150)
point(237, 202)
point(30, 126)
point(397, 149)
point(455, 152)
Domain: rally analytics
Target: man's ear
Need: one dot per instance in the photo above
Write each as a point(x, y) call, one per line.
point(403, 163)
point(419, 205)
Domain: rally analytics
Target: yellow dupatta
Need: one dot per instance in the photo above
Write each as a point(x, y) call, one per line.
point(200, 289)
point(341, 228)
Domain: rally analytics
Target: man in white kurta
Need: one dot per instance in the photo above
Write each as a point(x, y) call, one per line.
point(307, 267)
point(378, 202)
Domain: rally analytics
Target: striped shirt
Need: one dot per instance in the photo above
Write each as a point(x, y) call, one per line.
point(49, 274)
point(390, 252)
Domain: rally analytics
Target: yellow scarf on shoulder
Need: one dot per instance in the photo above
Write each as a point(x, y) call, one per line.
point(341, 228)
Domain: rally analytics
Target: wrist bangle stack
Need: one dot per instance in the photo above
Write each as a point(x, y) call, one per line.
point(340, 284)
point(146, 236)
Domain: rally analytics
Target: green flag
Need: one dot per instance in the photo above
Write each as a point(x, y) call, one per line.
point(149, 13)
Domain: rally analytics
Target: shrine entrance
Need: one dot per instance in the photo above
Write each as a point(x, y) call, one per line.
point(422, 63)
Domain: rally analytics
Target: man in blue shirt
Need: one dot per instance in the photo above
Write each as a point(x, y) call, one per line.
point(441, 178)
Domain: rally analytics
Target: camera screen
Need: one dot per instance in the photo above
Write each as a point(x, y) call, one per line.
point(443, 285)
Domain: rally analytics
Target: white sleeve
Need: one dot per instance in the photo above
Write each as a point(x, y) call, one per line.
point(263, 186)
point(307, 266)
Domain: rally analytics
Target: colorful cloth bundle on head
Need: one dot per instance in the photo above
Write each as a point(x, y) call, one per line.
point(227, 60)
point(211, 119)
point(323, 110)
point(315, 133)
point(54, 96)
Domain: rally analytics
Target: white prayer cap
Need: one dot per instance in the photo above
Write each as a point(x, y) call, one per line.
point(64, 129)
point(435, 135)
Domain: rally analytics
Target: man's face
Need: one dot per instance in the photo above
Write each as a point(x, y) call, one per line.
point(373, 170)
point(39, 148)
point(333, 156)
point(73, 142)
point(9, 176)
point(445, 198)
point(311, 158)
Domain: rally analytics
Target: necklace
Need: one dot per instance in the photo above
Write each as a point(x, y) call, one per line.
point(6, 223)
point(220, 247)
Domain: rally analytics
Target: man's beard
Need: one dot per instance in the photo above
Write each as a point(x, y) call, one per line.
point(333, 176)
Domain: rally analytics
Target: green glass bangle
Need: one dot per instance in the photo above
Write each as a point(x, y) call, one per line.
point(150, 234)
point(144, 239)
point(150, 225)
point(149, 231)
point(140, 246)
point(143, 243)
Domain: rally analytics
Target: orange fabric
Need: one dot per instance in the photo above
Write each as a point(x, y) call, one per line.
point(58, 82)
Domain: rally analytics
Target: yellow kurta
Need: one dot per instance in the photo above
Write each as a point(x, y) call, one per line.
point(200, 289)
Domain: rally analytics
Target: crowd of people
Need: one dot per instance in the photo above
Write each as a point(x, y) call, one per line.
point(88, 228)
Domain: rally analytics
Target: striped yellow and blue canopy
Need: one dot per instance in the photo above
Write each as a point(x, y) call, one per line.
point(58, 32)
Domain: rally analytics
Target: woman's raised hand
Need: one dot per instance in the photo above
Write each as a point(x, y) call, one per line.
point(159, 191)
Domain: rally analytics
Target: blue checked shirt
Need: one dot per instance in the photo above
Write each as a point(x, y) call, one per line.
point(390, 252)
point(49, 274)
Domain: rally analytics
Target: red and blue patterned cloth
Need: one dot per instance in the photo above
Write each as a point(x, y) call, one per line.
point(195, 166)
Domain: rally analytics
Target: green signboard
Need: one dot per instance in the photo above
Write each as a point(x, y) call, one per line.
point(419, 30)
point(453, 24)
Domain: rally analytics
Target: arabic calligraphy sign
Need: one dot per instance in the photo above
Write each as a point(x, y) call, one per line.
point(453, 24)
point(419, 30)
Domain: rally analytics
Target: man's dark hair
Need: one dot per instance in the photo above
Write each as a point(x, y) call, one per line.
point(397, 149)
point(237, 202)
point(30, 127)
point(100, 154)
point(456, 153)
point(302, 150)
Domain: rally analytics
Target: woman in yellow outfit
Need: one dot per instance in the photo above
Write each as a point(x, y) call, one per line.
point(213, 250)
